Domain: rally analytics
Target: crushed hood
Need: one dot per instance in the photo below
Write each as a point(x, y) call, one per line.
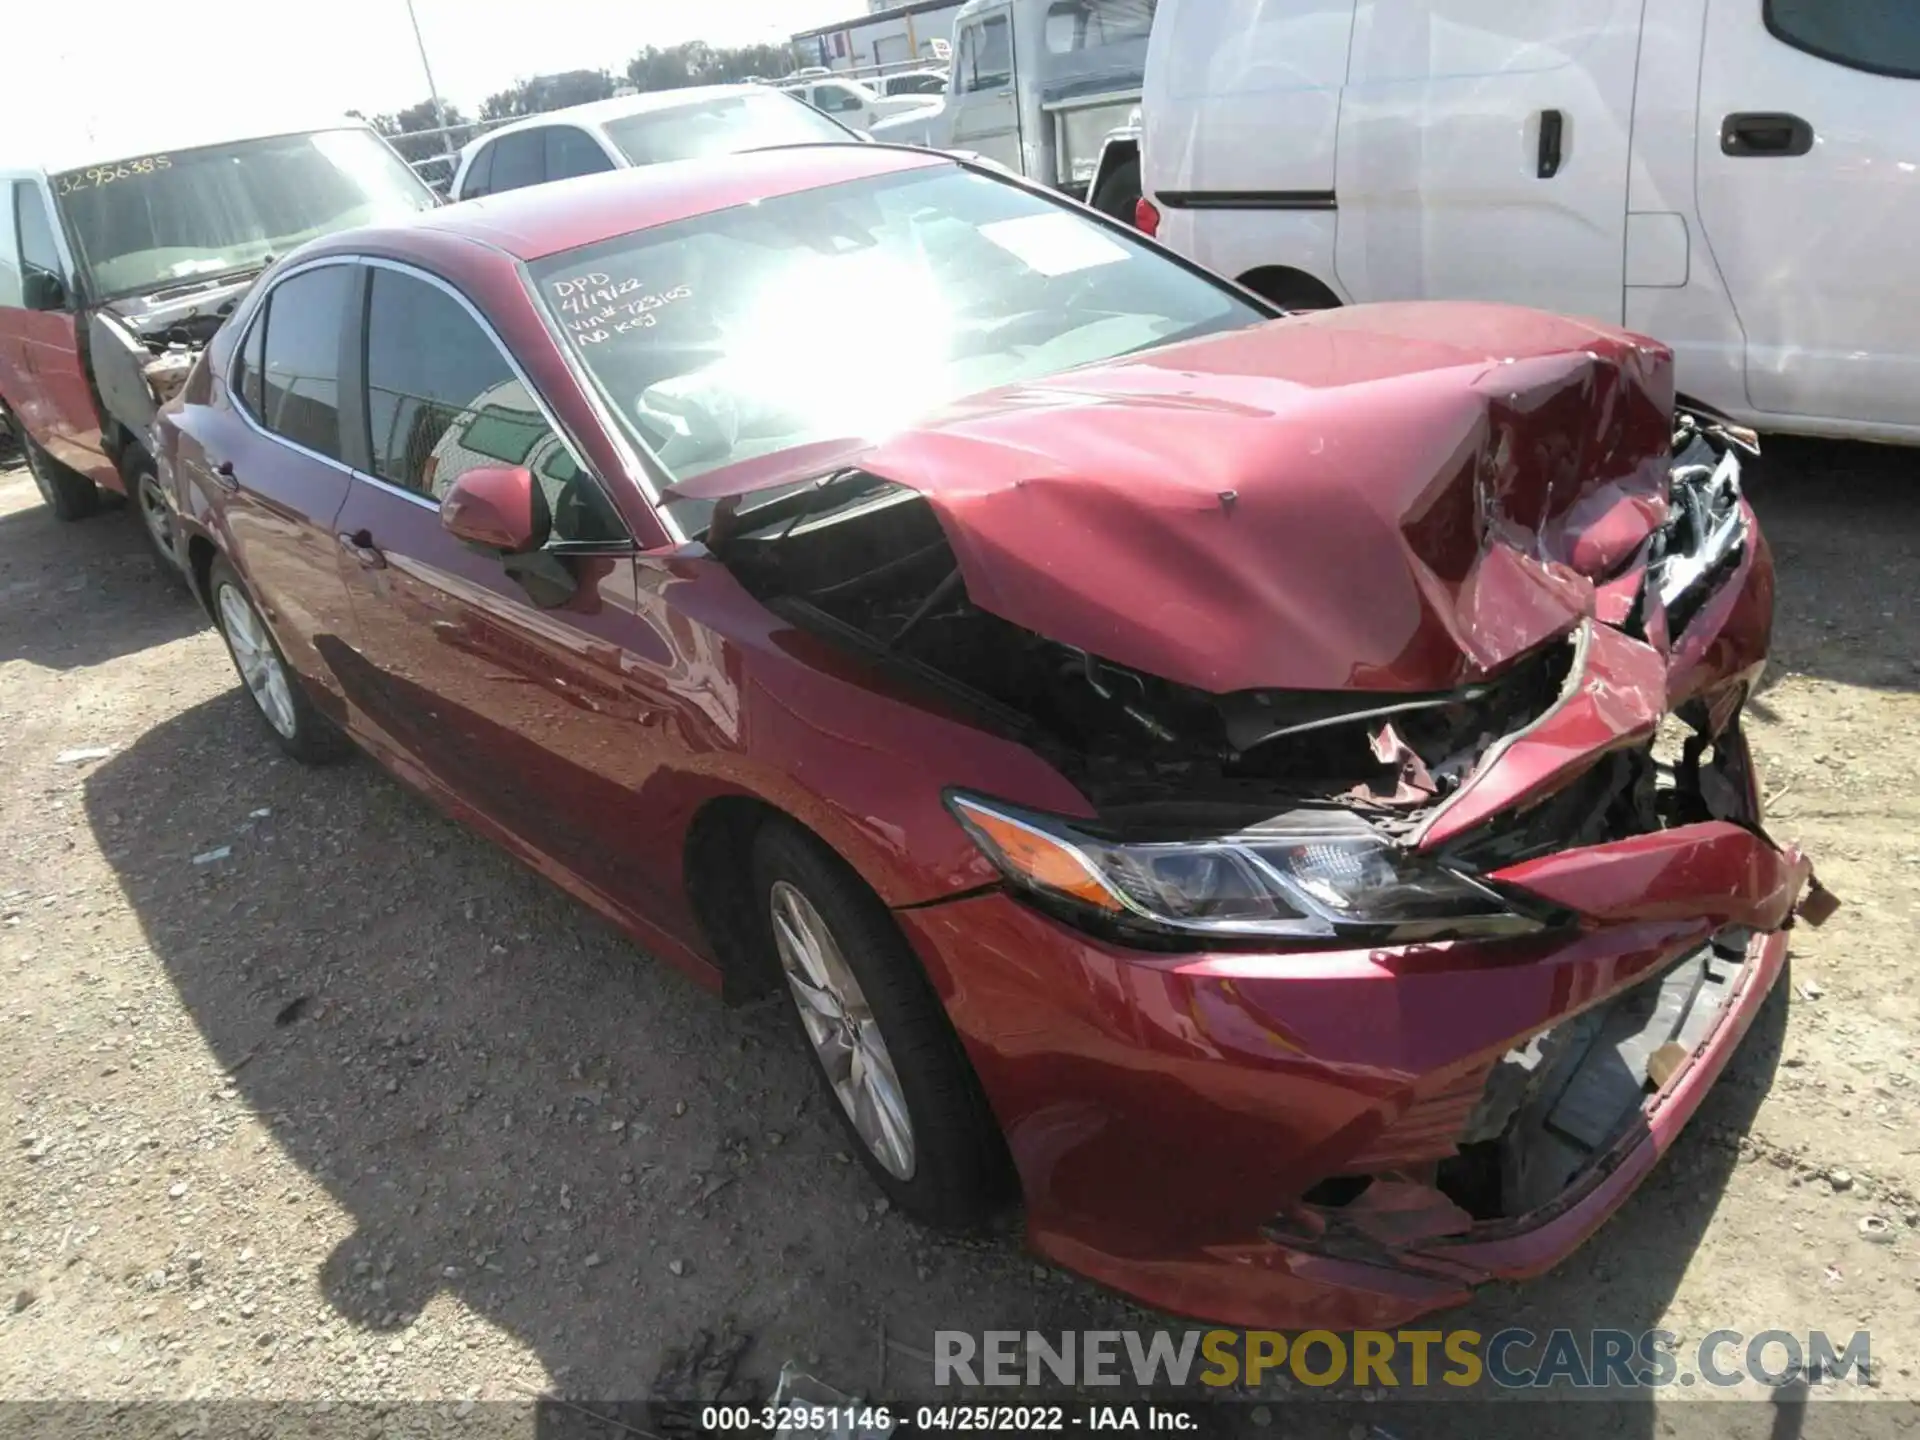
point(1391, 498)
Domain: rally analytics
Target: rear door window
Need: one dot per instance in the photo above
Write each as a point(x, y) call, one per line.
point(442, 400)
point(519, 160)
point(300, 369)
point(571, 151)
point(246, 367)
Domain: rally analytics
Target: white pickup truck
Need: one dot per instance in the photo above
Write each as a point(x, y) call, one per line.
point(1047, 88)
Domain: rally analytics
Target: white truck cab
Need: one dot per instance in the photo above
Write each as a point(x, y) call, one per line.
point(1046, 88)
point(1734, 177)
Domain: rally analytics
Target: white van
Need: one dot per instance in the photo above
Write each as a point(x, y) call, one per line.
point(1739, 178)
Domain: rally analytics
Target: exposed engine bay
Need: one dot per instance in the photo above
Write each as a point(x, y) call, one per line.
point(866, 562)
point(143, 347)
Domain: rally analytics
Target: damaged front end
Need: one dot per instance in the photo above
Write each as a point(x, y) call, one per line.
point(142, 348)
point(1422, 844)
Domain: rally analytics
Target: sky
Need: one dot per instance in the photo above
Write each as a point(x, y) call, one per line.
point(115, 61)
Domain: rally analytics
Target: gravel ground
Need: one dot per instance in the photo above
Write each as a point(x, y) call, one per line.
point(314, 1095)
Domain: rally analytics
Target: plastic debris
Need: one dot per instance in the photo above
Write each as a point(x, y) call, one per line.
point(82, 756)
point(797, 1389)
point(207, 857)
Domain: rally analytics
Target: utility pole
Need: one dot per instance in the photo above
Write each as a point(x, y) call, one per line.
point(439, 107)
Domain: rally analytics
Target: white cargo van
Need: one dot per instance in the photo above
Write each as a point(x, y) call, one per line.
point(1739, 178)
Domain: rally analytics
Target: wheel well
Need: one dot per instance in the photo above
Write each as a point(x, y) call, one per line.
point(200, 557)
point(1290, 289)
point(719, 876)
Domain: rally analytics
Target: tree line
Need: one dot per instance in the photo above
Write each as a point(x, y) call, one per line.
point(654, 68)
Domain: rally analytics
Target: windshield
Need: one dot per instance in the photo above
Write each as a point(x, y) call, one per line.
point(729, 336)
point(157, 220)
point(721, 127)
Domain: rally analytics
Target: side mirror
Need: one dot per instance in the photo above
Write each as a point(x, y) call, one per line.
point(497, 507)
point(42, 290)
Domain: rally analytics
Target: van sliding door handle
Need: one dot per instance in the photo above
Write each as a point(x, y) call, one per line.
point(1765, 134)
point(1553, 127)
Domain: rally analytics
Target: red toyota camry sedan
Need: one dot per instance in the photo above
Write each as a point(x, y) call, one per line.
point(1266, 792)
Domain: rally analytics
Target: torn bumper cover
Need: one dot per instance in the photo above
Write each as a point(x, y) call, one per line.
point(1422, 888)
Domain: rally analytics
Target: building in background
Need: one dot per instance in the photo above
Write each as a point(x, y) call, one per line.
point(891, 35)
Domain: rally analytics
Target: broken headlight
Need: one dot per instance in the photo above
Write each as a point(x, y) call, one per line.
point(1309, 875)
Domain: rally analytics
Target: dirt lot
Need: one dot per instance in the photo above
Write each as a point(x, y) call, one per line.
point(360, 1110)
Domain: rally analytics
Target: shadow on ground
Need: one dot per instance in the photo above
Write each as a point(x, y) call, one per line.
point(75, 595)
point(513, 1106)
point(1844, 524)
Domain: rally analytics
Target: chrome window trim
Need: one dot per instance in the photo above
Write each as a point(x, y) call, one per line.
point(380, 262)
point(254, 422)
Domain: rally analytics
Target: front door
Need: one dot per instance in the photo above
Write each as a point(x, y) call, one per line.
point(1808, 129)
point(1483, 152)
point(983, 103)
point(504, 681)
point(55, 403)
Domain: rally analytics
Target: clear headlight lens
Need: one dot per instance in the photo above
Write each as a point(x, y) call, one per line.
point(1311, 875)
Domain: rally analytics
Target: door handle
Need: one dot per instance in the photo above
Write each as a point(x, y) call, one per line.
point(223, 475)
point(361, 547)
point(1765, 134)
point(1553, 127)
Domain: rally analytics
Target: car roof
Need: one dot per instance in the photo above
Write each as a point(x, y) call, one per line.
point(541, 220)
point(155, 133)
point(599, 112)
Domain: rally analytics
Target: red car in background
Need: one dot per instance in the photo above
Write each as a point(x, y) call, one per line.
point(1267, 791)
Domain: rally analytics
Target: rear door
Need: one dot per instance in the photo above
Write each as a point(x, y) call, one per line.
point(1483, 151)
point(504, 681)
point(1808, 136)
point(982, 104)
point(268, 446)
point(56, 401)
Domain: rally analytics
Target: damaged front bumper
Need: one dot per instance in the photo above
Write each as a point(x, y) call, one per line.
point(1283, 1139)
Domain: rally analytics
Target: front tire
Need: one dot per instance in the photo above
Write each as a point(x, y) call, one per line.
point(69, 495)
point(151, 508)
point(892, 1066)
point(271, 684)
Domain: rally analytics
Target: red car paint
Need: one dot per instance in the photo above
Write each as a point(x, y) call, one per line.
point(1418, 494)
point(1286, 536)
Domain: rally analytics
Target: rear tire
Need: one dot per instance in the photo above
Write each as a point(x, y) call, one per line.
point(271, 684)
point(69, 495)
point(883, 1024)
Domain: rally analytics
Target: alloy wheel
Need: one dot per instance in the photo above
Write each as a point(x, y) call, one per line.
point(259, 663)
point(842, 1028)
point(155, 513)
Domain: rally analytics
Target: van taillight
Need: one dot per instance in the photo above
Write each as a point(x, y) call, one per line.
point(1146, 216)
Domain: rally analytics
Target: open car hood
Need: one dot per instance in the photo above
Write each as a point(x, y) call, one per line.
point(1390, 498)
